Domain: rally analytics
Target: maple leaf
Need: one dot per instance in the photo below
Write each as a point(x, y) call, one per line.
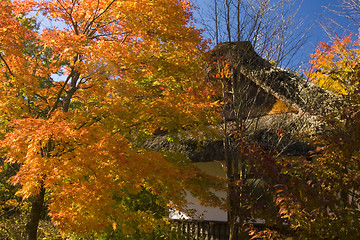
point(78, 97)
point(334, 65)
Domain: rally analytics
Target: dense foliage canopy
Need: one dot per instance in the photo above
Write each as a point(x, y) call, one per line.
point(83, 89)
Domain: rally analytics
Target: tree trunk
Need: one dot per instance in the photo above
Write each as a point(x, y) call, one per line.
point(38, 201)
point(32, 225)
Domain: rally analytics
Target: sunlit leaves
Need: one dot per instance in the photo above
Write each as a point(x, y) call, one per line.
point(321, 200)
point(334, 66)
point(81, 91)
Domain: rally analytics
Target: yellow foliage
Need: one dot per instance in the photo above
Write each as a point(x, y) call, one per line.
point(128, 68)
point(281, 107)
point(335, 66)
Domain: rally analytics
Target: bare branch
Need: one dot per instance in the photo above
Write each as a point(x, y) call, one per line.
point(73, 23)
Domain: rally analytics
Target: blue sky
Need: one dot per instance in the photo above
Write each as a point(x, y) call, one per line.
point(311, 12)
point(315, 11)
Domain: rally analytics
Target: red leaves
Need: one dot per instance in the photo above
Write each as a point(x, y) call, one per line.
point(317, 192)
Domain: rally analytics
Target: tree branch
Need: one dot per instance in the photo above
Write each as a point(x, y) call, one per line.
point(7, 66)
point(74, 24)
point(59, 94)
point(98, 16)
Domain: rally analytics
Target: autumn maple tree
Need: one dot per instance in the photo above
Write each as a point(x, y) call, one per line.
point(314, 196)
point(334, 66)
point(317, 195)
point(82, 90)
point(320, 194)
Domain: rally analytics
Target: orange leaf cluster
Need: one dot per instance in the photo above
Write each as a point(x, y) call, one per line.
point(335, 65)
point(77, 98)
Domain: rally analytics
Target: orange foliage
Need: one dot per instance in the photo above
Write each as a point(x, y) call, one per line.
point(126, 68)
point(334, 65)
point(281, 107)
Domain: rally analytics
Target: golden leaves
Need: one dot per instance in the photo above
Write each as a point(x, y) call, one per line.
point(333, 66)
point(126, 70)
point(83, 169)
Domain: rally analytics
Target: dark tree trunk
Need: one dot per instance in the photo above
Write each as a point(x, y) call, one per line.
point(33, 223)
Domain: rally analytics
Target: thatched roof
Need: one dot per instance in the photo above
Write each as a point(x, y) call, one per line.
point(263, 130)
point(275, 81)
point(263, 84)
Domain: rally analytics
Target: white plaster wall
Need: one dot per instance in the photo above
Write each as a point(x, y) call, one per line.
point(214, 168)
